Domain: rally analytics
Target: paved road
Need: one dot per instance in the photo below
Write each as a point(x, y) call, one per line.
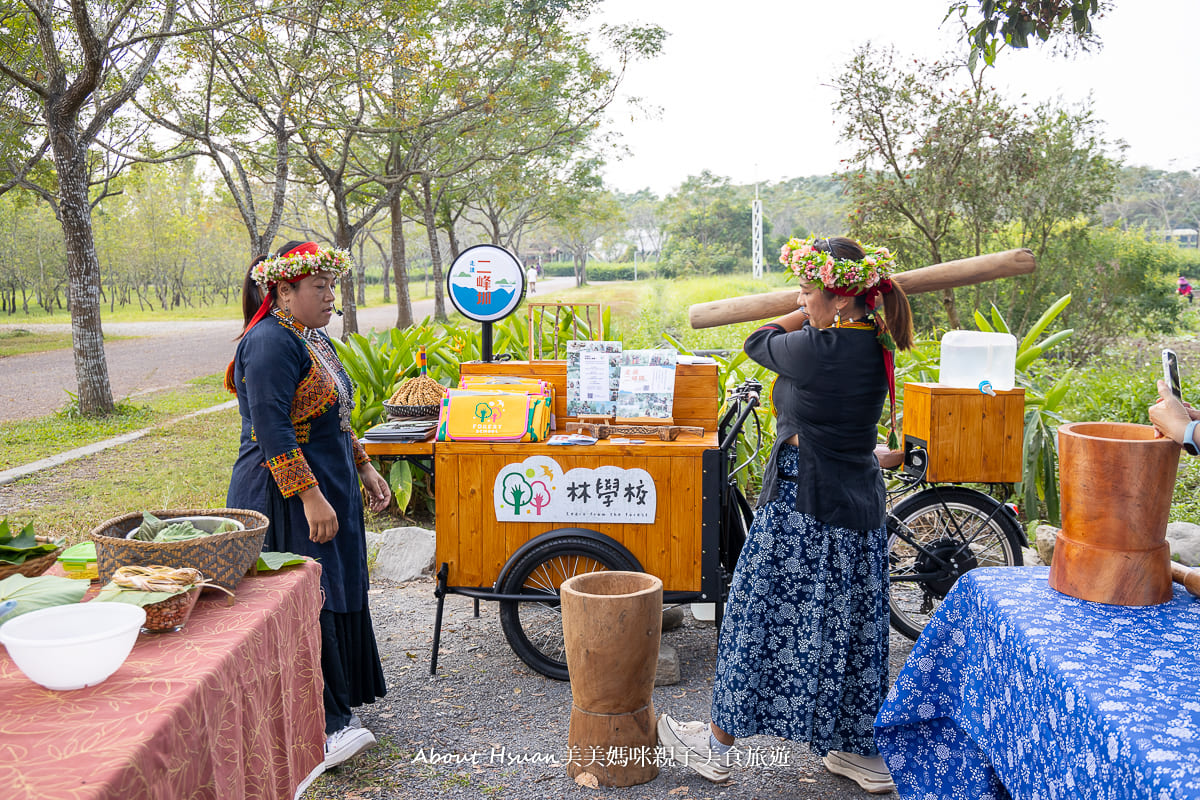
point(164, 354)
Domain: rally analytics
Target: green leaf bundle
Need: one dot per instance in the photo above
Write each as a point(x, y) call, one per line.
point(17, 549)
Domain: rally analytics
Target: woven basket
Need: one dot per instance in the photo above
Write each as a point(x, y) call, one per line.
point(411, 411)
point(223, 558)
point(32, 567)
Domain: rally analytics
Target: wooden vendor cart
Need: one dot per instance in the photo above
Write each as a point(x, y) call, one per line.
point(662, 507)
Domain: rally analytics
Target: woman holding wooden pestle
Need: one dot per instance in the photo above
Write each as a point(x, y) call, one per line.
point(803, 650)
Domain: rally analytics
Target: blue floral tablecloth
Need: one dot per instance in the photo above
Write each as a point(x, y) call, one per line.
point(1015, 690)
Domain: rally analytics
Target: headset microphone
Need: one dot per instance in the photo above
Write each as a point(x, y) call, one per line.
point(337, 311)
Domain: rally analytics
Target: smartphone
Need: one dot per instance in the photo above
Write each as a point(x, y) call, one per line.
point(1170, 365)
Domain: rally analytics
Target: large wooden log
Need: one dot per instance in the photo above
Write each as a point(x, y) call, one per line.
point(948, 275)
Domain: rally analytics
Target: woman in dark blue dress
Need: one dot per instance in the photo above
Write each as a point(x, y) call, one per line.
point(803, 651)
point(300, 464)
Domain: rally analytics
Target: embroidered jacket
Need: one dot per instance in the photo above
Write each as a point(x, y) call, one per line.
point(280, 356)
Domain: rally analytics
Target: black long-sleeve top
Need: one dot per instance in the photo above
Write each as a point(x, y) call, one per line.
point(830, 394)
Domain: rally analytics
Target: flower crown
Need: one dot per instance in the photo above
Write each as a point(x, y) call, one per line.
point(300, 262)
point(818, 266)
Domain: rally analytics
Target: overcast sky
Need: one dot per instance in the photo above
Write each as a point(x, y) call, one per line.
point(727, 63)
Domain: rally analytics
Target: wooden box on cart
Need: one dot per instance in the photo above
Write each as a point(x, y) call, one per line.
point(476, 545)
point(968, 436)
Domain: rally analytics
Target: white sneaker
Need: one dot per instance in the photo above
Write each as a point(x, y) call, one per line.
point(687, 744)
point(312, 776)
point(869, 772)
point(346, 744)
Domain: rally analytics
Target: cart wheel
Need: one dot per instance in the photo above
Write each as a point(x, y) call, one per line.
point(939, 522)
point(534, 630)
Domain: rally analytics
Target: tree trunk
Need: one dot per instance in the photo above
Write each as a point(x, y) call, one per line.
point(580, 259)
point(951, 309)
point(344, 239)
point(947, 294)
point(404, 315)
point(83, 272)
point(452, 237)
point(435, 254)
point(361, 269)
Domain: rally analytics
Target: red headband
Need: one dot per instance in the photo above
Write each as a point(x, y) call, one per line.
point(885, 286)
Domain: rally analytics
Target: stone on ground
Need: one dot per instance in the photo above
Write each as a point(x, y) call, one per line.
point(401, 554)
point(1185, 542)
point(667, 671)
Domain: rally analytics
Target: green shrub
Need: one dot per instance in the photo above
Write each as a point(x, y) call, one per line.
point(685, 257)
point(597, 271)
point(1119, 389)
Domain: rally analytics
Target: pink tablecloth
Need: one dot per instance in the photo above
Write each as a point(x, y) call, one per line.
point(226, 709)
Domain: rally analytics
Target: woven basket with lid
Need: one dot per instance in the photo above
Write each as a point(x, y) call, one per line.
point(223, 558)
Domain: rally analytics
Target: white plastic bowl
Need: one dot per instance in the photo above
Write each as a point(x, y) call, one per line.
point(70, 647)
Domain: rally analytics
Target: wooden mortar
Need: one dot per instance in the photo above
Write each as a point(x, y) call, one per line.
point(612, 624)
point(1116, 481)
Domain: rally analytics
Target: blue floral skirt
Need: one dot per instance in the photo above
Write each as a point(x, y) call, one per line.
point(803, 651)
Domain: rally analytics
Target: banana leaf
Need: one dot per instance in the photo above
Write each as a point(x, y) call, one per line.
point(43, 591)
point(269, 561)
point(112, 593)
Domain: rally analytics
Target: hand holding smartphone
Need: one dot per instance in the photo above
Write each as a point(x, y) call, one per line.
point(1170, 366)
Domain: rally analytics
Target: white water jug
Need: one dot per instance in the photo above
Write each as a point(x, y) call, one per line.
point(975, 359)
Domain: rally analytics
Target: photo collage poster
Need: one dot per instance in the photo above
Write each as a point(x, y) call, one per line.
point(646, 388)
point(593, 372)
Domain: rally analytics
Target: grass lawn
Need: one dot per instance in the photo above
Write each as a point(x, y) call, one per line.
point(25, 441)
point(644, 310)
point(20, 341)
point(184, 464)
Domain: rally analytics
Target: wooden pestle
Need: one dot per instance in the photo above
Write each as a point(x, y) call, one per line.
point(1189, 577)
point(948, 275)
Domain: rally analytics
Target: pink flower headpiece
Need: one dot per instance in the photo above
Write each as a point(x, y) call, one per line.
point(839, 274)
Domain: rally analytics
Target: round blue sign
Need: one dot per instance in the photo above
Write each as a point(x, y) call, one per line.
point(485, 283)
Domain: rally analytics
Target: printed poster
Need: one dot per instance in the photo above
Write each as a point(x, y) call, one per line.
point(593, 371)
point(646, 386)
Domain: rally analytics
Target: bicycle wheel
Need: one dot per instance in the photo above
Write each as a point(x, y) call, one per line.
point(534, 629)
point(933, 538)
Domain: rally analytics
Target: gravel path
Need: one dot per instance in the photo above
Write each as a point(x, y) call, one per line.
point(492, 722)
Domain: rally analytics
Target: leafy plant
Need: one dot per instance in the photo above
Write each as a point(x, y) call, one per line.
point(379, 362)
point(1039, 473)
